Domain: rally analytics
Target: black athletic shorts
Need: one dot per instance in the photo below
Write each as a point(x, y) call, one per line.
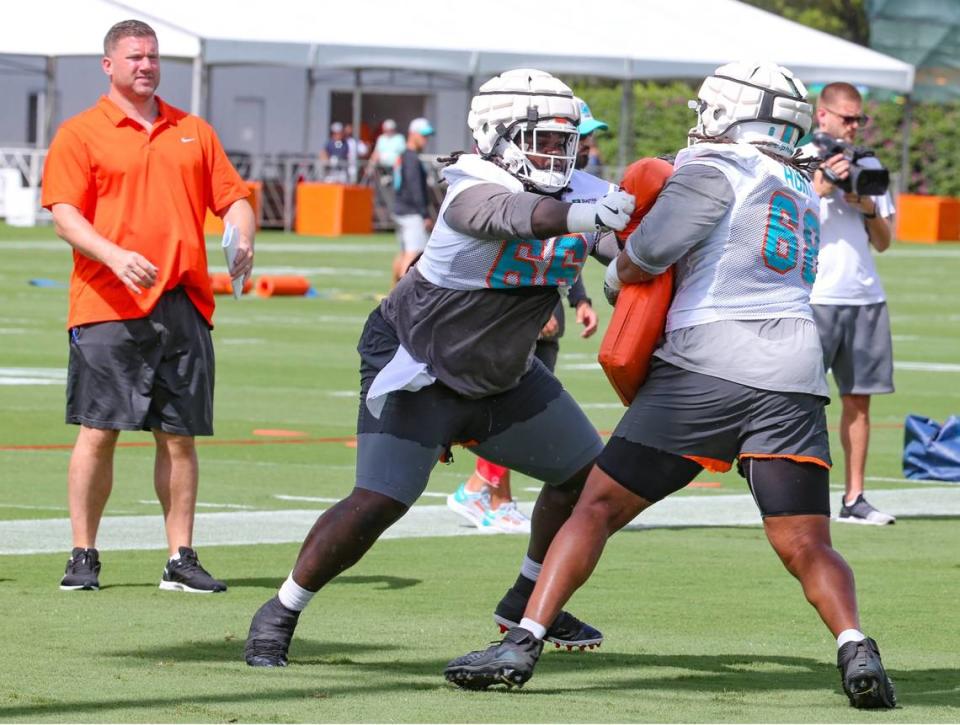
point(155, 372)
point(535, 428)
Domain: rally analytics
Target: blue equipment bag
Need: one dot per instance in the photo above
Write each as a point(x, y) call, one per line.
point(931, 451)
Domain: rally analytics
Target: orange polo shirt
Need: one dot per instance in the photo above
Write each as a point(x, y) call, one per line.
point(147, 192)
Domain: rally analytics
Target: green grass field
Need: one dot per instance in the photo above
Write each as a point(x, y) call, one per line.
point(702, 624)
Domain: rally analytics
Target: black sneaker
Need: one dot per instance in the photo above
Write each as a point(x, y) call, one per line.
point(861, 512)
point(83, 568)
point(186, 575)
point(566, 630)
point(508, 662)
point(863, 677)
point(270, 633)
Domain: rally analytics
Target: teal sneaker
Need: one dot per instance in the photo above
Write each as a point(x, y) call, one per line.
point(472, 506)
point(506, 519)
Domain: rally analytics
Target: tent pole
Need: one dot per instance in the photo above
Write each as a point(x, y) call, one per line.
point(49, 104)
point(308, 114)
point(626, 119)
point(357, 102)
point(905, 143)
point(196, 83)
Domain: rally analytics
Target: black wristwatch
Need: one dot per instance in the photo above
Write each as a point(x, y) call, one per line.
point(870, 216)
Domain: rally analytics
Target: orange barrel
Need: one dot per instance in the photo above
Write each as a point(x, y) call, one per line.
point(270, 285)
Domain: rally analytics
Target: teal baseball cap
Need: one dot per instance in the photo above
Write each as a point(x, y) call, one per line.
point(421, 126)
point(588, 124)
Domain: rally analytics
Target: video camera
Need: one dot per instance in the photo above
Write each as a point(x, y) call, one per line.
point(863, 181)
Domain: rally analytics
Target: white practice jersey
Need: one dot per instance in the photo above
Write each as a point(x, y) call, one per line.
point(454, 260)
point(760, 261)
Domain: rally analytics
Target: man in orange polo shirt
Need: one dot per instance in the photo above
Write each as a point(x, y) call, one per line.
point(129, 182)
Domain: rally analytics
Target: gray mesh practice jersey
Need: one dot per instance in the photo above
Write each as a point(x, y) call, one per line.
point(760, 260)
point(744, 269)
point(475, 303)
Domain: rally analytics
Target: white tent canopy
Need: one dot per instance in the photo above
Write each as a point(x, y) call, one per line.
point(629, 39)
point(57, 28)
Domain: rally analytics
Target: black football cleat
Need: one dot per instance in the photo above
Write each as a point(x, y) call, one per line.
point(509, 662)
point(187, 575)
point(270, 633)
point(863, 677)
point(566, 630)
point(82, 572)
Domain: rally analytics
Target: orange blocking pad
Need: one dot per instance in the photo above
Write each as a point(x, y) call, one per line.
point(928, 219)
point(222, 284)
point(212, 224)
point(329, 210)
point(637, 323)
point(269, 285)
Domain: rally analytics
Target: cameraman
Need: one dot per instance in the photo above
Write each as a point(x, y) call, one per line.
point(848, 301)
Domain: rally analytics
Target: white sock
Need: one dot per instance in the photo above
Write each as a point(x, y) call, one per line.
point(530, 569)
point(850, 635)
point(174, 557)
point(293, 596)
point(534, 628)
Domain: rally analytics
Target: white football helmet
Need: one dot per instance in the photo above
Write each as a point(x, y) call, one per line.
point(527, 119)
point(758, 103)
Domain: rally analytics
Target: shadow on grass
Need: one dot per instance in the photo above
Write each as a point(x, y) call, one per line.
point(380, 582)
point(266, 582)
point(725, 677)
point(230, 650)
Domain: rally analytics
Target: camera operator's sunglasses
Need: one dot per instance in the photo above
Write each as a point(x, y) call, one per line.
point(861, 120)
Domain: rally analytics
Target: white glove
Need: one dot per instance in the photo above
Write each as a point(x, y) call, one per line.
point(611, 212)
point(611, 283)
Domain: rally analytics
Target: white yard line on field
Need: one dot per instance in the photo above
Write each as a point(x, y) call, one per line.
point(290, 526)
point(910, 480)
point(200, 504)
point(313, 499)
point(312, 271)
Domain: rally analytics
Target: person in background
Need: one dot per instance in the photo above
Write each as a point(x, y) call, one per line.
point(848, 300)
point(411, 212)
point(388, 148)
point(588, 154)
point(357, 150)
point(129, 182)
point(485, 499)
point(335, 155)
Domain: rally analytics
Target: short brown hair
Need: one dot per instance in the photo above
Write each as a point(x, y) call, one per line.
point(836, 91)
point(126, 29)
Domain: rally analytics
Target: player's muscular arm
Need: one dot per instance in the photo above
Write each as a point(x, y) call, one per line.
point(131, 268)
point(694, 200)
point(489, 211)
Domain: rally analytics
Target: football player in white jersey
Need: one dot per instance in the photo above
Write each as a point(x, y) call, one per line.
point(448, 356)
point(738, 376)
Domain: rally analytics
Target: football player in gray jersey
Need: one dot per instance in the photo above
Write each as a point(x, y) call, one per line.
point(448, 357)
point(739, 375)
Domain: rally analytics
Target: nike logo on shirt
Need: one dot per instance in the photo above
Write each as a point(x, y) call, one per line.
point(187, 139)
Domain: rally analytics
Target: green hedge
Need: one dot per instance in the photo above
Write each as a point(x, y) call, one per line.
point(661, 120)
